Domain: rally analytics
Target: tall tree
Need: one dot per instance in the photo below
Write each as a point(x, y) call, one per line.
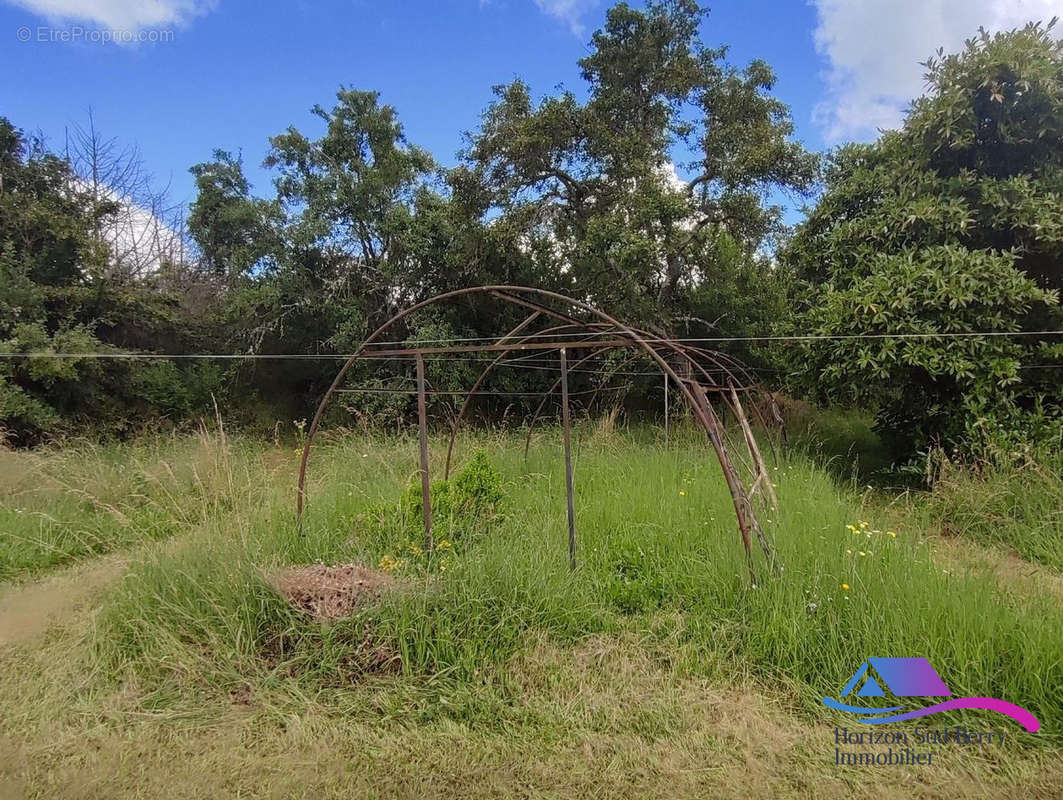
point(234, 231)
point(595, 186)
point(349, 199)
point(951, 225)
point(355, 231)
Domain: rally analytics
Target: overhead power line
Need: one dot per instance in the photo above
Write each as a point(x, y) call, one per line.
point(722, 339)
point(517, 346)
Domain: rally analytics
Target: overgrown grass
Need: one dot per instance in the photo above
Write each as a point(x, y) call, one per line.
point(659, 559)
point(1018, 505)
point(844, 442)
point(62, 504)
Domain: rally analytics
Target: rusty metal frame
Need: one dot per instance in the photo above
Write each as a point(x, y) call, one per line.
point(573, 333)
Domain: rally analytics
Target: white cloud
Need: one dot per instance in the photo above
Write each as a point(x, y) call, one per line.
point(874, 47)
point(570, 12)
point(119, 14)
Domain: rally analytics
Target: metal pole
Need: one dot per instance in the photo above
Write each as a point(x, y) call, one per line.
point(422, 426)
point(665, 410)
point(566, 425)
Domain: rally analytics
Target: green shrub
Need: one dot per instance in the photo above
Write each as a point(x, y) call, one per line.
point(942, 229)
point(468, 503)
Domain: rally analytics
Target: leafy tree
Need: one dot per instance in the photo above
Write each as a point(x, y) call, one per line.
point(45, 245)
point(952, 225)
point(234, 230)
point(594, 187)
point(355, 232)
point(349, 199)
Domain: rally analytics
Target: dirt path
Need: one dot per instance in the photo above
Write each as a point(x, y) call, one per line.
point(1008, 569)
point(28, 609)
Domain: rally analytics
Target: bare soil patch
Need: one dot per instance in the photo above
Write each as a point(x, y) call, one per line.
point(28, 610)
point(331, 592)
point(1009, 569)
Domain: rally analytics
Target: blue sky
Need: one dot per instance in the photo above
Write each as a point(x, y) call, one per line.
point(236, 71)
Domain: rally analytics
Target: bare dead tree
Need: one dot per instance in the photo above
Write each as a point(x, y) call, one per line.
point(139, 225)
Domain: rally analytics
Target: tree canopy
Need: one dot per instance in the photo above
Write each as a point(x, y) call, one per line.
point(651, 190)
point(950, 226)
point(657, 183)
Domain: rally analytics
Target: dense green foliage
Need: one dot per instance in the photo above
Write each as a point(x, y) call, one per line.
point(597, 183)
point(647, 195)
point(61, 293)
point(466, 505)
point(951, 225)
point(646, 199)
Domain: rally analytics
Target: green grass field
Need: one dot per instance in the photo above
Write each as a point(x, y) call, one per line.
point(146, 653)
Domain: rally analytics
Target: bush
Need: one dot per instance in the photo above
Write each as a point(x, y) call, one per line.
point(468, 503)
point(944, 229)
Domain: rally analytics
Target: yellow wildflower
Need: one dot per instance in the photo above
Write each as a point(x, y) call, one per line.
point(682, 493)
point(846, 587)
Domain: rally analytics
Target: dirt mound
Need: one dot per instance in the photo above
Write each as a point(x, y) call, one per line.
point(328, 593)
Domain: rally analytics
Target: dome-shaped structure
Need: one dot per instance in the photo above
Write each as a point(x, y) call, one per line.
point(577, 325)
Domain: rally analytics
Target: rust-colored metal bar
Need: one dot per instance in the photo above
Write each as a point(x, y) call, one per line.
point(763, 479)
point(492, 289)
point(608, 376)
point(738, 496)
point(494, 348)
point(665, 410)
point(422, 431)
point(542, 309)
point(520, 295)
point(553, 388)
point(483, 376)
point(546, 397)
point(566, 425)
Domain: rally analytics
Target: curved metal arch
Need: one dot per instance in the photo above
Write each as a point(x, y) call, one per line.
point(718, 359)
point(487, 371)
point(552, 389)
point(692, 392)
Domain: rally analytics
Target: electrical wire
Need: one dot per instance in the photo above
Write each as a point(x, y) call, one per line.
point(564, 343)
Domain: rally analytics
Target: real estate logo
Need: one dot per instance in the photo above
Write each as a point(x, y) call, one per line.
point(913, 677)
